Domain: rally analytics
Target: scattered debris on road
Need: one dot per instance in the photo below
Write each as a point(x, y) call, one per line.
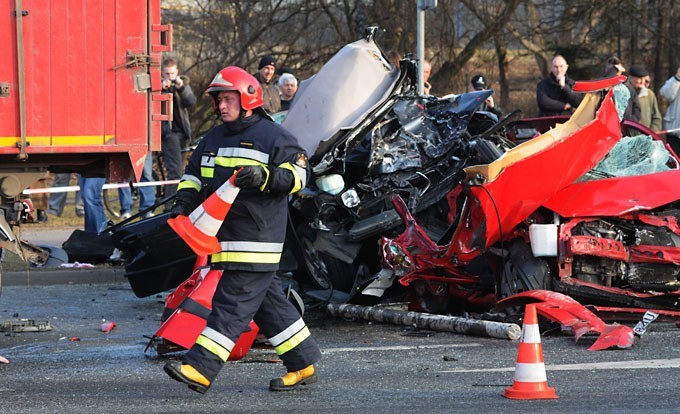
point(108, 326)
point(575, 318)
point(25, 325)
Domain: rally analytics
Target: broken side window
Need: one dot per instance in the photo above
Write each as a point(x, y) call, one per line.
point(632, 156)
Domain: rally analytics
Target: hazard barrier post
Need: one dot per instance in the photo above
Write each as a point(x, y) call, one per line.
point(530, 381)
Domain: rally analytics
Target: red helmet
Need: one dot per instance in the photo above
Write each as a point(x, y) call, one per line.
point(233, 78)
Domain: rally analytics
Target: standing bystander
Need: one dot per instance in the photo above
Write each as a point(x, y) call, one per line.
point(58, 200)
point(147, 194)
point(40, 201)
point(615, 67)
point(288, 86)
point(650, 115)
point(265, 75)
point(671, 120)
point(95, 218)
point(479, 83)
point(427, 71)
point(555, 94)
point(176, 133)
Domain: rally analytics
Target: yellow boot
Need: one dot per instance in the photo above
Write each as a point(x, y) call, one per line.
point(291, 380)
point(187, 374)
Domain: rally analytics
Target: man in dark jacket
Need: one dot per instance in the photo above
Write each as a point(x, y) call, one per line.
point(175, 134)
point(554, 94)
point(270, 93)
point(251, 237)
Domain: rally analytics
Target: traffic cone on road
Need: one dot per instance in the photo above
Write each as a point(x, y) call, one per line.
point(198, 230)
point(530, 381)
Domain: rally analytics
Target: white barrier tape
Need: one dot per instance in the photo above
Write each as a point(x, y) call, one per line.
point(30, 191)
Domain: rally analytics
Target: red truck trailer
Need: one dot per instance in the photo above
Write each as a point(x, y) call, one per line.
point(79, 91)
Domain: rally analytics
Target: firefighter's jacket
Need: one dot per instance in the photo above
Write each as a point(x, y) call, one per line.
point(252, 235)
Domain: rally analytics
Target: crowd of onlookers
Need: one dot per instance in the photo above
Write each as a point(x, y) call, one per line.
point(554, 96)
point(175, 135)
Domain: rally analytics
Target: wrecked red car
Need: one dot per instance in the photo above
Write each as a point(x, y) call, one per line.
point(579, 209)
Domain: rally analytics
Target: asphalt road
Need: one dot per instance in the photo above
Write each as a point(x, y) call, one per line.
point(366, 367)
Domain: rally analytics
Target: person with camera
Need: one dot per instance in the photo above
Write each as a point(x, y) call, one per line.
point(175, 134)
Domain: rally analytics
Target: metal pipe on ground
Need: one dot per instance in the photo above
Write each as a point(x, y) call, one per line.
point(476, 327)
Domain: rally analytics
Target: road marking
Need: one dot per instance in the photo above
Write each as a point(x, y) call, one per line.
point(396, 348)
point(383, 348)
point(639, 364)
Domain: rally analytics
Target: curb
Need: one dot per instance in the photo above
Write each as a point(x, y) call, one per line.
point(44, 277)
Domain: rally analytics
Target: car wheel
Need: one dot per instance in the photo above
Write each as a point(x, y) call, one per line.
point(522, 271)
point(321, 269)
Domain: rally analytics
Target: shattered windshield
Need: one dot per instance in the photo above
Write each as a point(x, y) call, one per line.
point(632, 156)
point(621, 97)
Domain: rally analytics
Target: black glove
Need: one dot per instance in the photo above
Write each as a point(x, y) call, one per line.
point(185, 202)
point(251, 176)
point(179, 209)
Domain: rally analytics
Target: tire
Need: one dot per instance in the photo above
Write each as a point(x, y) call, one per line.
point(522, 271)
point(487, 150)
point(320, 269)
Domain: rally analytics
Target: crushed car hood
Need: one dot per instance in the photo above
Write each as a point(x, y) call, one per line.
point(551, 162)
point(354, 82)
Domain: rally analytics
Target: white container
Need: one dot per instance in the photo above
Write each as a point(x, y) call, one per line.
point(332, 184)
point(543, 239)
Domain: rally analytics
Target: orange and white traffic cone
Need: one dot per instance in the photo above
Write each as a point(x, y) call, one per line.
point(193, 302)
point(530, 381)
point(198, 230)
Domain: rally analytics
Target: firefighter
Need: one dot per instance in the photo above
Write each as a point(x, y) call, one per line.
point(251, 237)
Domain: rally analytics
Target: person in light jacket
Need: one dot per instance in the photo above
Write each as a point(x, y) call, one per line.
point(671, 120)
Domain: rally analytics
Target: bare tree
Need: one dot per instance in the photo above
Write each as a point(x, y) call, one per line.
point(493, 21)
point(494, 36)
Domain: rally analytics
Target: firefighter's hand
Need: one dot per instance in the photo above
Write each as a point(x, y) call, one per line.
point(179, 209)
point(251, 176)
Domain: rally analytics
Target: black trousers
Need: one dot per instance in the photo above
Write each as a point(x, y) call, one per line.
point(171, 152)
point(244, 296)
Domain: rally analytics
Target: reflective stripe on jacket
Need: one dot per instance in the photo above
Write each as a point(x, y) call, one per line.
point(252, 235)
